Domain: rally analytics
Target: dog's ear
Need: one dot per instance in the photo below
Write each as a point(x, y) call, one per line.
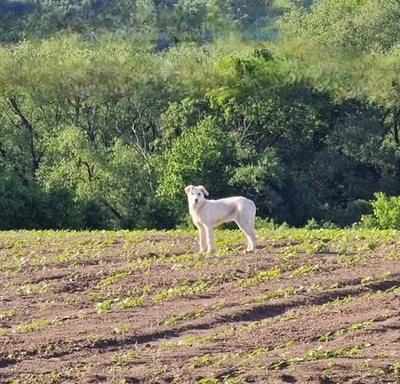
point(188, 189)
point(204, 190)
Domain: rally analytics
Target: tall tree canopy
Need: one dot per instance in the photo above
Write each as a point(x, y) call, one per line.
point(108, 109)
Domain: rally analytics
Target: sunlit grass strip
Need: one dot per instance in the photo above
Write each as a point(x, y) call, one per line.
point(31, 248)
point(303, 270)
point(113, 278)
point(229, 331)
point(260, 277)
point(393, 289)
point(201, 361)
point(394, 367)
point(333, 303)
point(189, 315)
point(380, 277)
point(32, 378)
point(220, 334)
point(131, 302)
point(129, 356)
point(333, 240)
point(293, 316)
point(76, 247)
point(7, 313)
point(282, 292)
point(217, 360)
point(317, 354)
point(136, 298)
point(182, 290)
point(35, 325)
point(330, 335)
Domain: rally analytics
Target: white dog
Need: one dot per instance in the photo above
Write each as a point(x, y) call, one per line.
point(207, 214)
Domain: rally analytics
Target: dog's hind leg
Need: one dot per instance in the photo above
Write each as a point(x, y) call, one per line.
point(251, 239)
point(248, 230)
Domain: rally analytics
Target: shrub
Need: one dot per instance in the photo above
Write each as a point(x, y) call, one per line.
point(96, 215)
point(351, 212)
point(160, 213)
point(201, 155)
point(386, 210)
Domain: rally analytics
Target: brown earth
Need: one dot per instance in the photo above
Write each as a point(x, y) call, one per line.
point(308, 308)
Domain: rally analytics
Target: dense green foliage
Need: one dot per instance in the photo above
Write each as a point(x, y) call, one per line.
point(108, 109)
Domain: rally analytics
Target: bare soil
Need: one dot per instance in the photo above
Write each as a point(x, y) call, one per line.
point(144, 307)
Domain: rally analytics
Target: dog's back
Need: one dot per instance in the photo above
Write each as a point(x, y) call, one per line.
point(236, 208)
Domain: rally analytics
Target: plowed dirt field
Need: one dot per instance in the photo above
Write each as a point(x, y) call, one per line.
point(319, 306)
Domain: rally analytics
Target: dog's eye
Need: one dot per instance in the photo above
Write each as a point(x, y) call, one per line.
point(199, 194)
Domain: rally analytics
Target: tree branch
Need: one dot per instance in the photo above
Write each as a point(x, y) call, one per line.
point(24, 122)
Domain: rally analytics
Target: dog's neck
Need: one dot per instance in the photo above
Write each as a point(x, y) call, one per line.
point(196, 207)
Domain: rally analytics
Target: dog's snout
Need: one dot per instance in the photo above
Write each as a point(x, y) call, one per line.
point(196, 199)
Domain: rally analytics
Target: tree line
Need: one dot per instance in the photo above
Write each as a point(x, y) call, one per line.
point(108, 110)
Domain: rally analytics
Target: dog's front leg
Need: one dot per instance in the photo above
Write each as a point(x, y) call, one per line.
point(210, 238)
point(202, 238)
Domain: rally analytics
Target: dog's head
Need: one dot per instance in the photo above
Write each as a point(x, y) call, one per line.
point(196, 195)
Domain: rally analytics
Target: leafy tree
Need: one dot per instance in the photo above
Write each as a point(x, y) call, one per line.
point(160, 213)
point(29, 206)
point(106, 126)
point(386, 211)
point(201, 155)
point(261, 178)
point(368, 25)
point(152, 23)
point(12, 15)
point(16, 203)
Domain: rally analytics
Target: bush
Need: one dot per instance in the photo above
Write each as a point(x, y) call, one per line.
point(26, 205)
point(160, 213)
point(97, 216)
point(264, 223)
point(350, 213)
point(19, 204)
point(366, 222)
point(386, 211)
point(204, 155)
point(59, 210)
